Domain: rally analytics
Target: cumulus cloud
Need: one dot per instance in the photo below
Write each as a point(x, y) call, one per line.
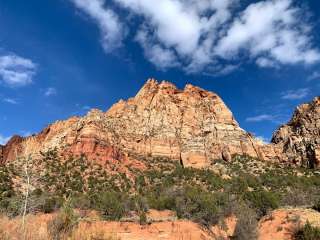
point(162, 58)
point(210, 34)
point(16, 71)
point(112, 30)
point(50, 92)
point(261, 118)
point(295, 94)
point(3, 139)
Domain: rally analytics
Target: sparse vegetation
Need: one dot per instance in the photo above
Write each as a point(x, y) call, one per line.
point(307, 232)
point(62, 225)
point(202, 196)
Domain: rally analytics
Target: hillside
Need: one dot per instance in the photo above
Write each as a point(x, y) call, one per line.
point(163, 163)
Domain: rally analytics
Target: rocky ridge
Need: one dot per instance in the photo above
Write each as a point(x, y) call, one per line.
point(192, 126)
point(300, 138)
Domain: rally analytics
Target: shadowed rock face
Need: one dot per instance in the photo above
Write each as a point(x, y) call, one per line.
point(11, 150)
point(192, 126)
point(300, 138)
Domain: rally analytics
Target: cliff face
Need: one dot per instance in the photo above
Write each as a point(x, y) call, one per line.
point(192, 126)
point(300, 138)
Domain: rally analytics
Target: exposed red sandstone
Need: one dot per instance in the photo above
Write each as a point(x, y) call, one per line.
point(192, 126)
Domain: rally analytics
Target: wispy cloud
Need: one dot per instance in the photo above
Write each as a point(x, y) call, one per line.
point(295, 94)
point(16, 71)
point(263, 139)
point(208, 35)
point(314, 76)
point(50, 92)
point(112, 30)
point(3, 139)
point(261, 118)
point(11, 101)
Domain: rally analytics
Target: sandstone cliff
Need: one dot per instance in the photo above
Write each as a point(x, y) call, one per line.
point(300, 138)
point(192, 126)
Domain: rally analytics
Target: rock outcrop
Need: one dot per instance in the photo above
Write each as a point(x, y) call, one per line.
point(192, 126)
point(283, 223)
point(300, 138)
point(280, 224)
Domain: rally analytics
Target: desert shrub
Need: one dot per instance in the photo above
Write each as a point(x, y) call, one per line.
point(200, 206)
point(162, 199)
point(81, 201)
point(6, 189)
point(241, 183)
point(262, 201)
point(12, 207)
point(246, 228)
point(63, 224)
point(49, 203)
point(297, 197)
point(110, 204)
point(316, 206)
point(307, 232)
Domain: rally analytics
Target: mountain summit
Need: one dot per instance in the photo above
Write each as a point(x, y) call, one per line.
point(192, 126)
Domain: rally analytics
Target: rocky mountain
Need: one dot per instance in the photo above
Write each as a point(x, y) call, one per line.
point(300, 138)
point(192, 126)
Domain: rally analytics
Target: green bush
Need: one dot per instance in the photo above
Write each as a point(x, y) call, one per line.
point(316, 206)
point(262, 201)
point(246, 228)
point(307, 232)
point(49, 203)
point(198, 205)
point(110, 204)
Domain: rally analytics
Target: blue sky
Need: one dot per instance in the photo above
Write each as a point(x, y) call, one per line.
point(60, 58)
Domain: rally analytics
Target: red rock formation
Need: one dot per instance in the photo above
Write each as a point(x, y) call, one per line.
point(300, 138)
point(12, 149)
point(192, 126)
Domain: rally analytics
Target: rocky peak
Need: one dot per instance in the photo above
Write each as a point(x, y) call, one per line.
point(192, 126)
point(149, 88)
point(300, 137)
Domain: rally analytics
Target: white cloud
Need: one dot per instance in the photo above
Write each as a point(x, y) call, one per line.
point(314, 76)
point(263, 139)
point(50, 92)
point(112, 30)
point(199, 35)
point(183, 31)
point(272, 29)
point(162, 58)
point(16, 71)
point(3, 139)
point(265, 62)
point(10, 100)
point(261, 118)
point(295, 94)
